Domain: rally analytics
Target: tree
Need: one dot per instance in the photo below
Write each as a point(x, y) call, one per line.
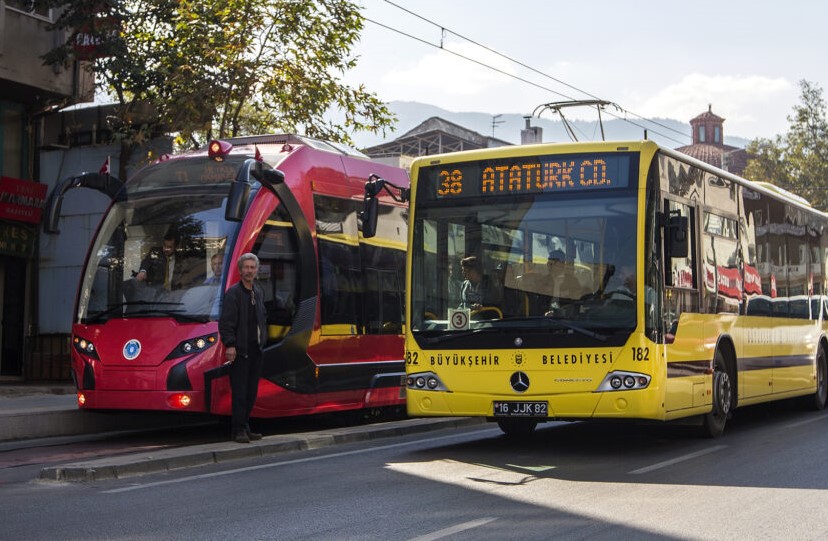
point(222, 68)
point(797, 161)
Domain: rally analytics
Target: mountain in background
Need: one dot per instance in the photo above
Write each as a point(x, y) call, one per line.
point(667, 132)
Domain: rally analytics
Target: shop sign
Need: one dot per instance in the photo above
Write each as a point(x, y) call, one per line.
point(17, 240)
point(21, 200)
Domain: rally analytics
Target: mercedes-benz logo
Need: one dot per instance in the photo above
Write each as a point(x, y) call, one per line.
point(519, 382)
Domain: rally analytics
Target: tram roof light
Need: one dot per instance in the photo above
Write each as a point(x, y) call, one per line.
point(217, 149)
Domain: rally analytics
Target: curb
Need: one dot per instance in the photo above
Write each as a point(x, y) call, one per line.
point(124, 466)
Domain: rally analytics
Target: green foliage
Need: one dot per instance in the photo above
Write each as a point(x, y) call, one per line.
point(797, 161)
point(222, 68)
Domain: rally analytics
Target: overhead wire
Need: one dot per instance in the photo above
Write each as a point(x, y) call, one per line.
point(441, 46)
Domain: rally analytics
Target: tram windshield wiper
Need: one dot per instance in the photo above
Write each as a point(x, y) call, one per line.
point(148, 308)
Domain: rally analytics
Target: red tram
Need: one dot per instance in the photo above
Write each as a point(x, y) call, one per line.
point(334, 299)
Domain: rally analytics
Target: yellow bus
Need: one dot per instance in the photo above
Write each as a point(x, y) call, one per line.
point(608, 280)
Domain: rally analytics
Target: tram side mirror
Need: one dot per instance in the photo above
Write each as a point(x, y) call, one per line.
point(237, 201)
point(369, 216)
point(677, 235)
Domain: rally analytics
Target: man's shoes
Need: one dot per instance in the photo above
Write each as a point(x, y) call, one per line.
point(241, 437)
point(253, 436)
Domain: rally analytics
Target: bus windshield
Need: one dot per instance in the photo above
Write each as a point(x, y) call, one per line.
point(158, 255)
point(548, 264)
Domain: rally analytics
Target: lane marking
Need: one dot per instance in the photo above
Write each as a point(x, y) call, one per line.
point(678, 459)
point(445, 532)
point(290, 462)
point(805, 421)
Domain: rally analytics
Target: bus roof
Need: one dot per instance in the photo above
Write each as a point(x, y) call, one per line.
point(612, 146)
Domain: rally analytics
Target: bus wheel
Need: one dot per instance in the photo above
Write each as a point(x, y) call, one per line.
point(518, 428)
point(714, 422)
point(817, 400)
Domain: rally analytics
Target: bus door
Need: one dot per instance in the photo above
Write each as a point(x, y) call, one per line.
point(683, 329)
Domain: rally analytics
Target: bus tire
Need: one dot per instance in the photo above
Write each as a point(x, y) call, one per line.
point(817, 400)
point(518, 428)
point(713, 423)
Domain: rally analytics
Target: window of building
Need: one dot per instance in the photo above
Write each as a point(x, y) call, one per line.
point(11, 140)
point(717, 134)
point(39, 8)
point(701, 134)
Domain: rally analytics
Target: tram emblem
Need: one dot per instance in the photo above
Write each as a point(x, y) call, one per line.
point(132, 349)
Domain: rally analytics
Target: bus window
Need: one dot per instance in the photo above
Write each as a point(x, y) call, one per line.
point(682, 293)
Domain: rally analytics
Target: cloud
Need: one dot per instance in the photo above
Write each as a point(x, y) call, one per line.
point(753, 105)
point(447, 79)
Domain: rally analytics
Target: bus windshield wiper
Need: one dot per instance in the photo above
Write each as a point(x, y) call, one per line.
point(448, 336)
point(546, 321)
point(578, 329)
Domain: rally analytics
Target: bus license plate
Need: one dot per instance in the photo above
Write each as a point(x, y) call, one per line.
point(520, 409)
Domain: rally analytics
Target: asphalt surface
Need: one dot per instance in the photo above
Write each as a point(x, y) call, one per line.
point(30, 412)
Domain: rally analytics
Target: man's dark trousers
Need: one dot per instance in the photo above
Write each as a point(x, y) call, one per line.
point(244, 381)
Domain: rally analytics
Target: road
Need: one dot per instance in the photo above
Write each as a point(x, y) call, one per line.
point(765, 479)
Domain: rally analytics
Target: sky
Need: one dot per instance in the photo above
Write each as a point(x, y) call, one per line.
point(654, 59)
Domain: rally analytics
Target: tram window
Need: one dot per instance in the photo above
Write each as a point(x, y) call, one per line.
point(340, 280)
point(276, 248)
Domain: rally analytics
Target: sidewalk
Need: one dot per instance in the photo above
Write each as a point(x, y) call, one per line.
point(41, 411)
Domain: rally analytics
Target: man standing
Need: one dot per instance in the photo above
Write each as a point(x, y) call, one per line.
point(243, 331)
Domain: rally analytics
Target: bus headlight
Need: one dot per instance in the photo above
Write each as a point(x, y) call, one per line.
point(426, 381)
point(623, 381)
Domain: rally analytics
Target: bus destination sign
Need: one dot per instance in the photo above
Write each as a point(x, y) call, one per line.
point(528, 175)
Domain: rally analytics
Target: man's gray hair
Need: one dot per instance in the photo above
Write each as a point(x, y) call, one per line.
point(245, 257)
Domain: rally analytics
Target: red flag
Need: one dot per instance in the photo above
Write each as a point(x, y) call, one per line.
point(105, 167)
point(258, 155)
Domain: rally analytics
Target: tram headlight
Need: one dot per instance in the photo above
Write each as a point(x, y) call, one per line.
point(193, 345)
point(85, 347)
point(623, 381)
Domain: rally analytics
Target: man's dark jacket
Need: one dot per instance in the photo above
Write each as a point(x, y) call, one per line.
point(233, 322)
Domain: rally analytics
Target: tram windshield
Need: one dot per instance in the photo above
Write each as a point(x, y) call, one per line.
point(158, 256)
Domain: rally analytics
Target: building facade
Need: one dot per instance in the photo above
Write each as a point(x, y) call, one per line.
point(29, 94)
point(709, 147)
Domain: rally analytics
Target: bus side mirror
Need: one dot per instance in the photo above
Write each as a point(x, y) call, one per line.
point(369, 216)
point(677, 236)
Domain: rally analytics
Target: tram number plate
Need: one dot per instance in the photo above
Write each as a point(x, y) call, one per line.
point(520, 409)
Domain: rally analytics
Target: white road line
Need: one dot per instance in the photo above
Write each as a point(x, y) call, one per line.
point(805, 421)
point(678, 459)
point(288, 462)
point(445, 532)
